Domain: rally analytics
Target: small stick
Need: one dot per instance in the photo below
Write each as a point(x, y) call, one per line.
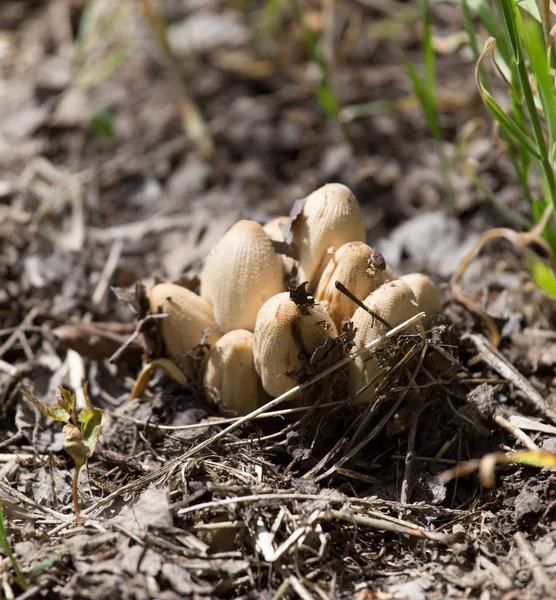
point(10, 369)
point(539, 574)
point(342, 288)
point(446, 538)
point(109, 268)
point(499, 363)
point(514, 430)
point(405, 494)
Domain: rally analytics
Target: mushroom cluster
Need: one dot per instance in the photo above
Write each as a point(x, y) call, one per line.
point(260, 334)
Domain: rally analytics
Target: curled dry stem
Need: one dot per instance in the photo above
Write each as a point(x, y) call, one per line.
point(521, 241)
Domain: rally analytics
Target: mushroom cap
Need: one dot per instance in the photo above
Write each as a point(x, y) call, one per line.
point(427, 295)
point(274, 230)
point(395, 303)
point(241, 272)
point(331, 217)
point(230, 374)
point(285, 337)
point(361, 269)
point(188, 317)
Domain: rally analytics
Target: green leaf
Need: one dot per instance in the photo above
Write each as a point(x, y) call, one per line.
point(542, 275)
point(61, 411)
point(74, 444)
point(91, 420)
point(102, 124)
point(531, 7)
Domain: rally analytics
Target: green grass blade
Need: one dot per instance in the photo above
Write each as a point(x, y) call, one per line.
point(473, 42)
point(542, 275)
point(511, 215)
point(492, 24)
point(540, 68)
point(428, 51)
point(510, 126)
point(5, 545)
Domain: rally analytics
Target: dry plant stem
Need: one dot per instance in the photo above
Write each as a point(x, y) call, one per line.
point(405, 494)
point(541, 577)
point(515, 431)
point(521, 241)
point(170, 466)
point(109, 267)
point(342, 288)
point(25, 500)
point(9, 369)
point(218, 422)
point(499, 363)
point(497, 575)
point(379, 427)
point(388, 526)
point(193, 121)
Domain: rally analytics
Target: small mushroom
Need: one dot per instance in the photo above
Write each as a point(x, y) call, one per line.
point(427, 295)
point(241, 272)
point(230, 375)
point(331, 217)
point(360, 269)
point(274, 230)
point(394, 302)
point(188, 317)
point(286, 335)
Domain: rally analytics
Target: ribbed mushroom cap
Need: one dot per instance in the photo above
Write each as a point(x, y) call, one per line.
point(188, 316)
point(241, 272)
point(274, 230)
point(361, 269)
point(285, 337)
point(395, 303)
point(427, 295)
point(331, 217)
point(230, 374)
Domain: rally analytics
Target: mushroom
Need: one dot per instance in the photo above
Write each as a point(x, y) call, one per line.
point(360, 269)
point(394, 302)
point(230, 374)
point(427, 295)
point(275, 231)
point(241, 272)
point(331, 217)
point(188, 317)
point(286, 335)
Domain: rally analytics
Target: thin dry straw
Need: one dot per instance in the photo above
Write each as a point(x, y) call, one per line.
point(155, 475)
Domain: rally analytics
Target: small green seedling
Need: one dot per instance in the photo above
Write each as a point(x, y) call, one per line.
point(80, 433)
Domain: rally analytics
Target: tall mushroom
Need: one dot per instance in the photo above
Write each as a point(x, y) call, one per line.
point(360, 269)
point(230, 375)
point(394, 302)
point(331, 217)
point(286, 335)
point(241, 272)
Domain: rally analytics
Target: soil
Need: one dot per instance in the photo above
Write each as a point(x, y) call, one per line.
point(103, 187)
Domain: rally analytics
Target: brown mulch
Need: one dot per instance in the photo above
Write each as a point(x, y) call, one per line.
point(339, 502)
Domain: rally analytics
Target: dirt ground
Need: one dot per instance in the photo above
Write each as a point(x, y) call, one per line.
point(101, 189)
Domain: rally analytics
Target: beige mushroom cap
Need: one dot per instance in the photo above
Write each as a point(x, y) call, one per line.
point(188, 316)
point(274, 230)
point(285, 336)
point(230, 374)
point(395, 303)
point(361, 269)
point(427, 295)
point(241, 272)
point(331, 217)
